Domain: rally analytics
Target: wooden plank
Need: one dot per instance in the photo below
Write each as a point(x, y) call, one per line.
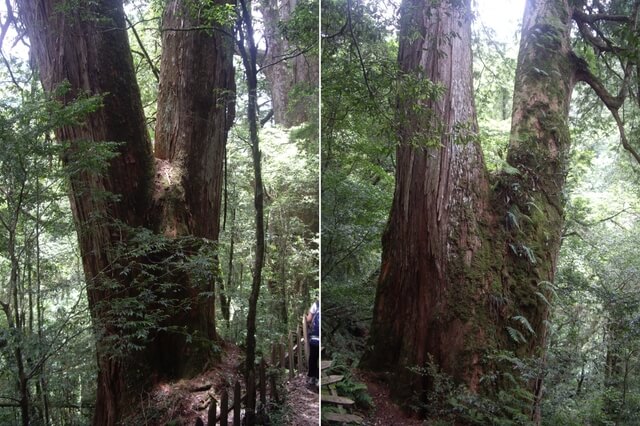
point(292, 361)
point(343, 418)
point(299, 351)
point(211, 416)
point(328, 380)
point(263, 382)
point(325, 364)
point(340, 400)
point(305, 336)
point(274, 387)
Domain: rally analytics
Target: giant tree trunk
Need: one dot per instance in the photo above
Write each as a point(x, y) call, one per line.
point(87, 45)
point(195, 112)
point(460, 260)
point(433, 238)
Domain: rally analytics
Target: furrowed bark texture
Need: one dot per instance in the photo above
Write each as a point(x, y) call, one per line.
point(440, 197)
point(93, 56)
point(86, 44)
point(462, 262)
point(195, 112)
point(539, 149)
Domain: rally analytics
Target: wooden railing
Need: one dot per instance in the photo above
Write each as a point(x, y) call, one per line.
point(286, 354)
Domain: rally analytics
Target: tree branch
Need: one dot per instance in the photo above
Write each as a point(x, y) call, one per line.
point(595, 17)
point(355, 42)
point(153, 67)
point(623, 136)
point(266, 118)
point(5, 26)
point(287, 57)
point(583, 73)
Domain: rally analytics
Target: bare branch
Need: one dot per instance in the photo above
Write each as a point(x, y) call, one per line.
point(595, 17)
point(153, 67)
point(11, 75)
point(199, 28)
point(266, 118)
point(597, 222)
point(287, 57)
point(355, 42)
point(5, 26)
point(584, 74)
point(623, 136)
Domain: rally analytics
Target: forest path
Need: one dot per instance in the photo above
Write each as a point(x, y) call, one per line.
point(385, 411)
point(302, 404)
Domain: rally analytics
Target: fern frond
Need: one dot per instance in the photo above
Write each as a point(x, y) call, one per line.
point(525, 322)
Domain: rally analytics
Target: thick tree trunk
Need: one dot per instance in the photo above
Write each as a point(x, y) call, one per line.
point(461, 264)
point(539, 147)
point(532, 199)
point(195, 112)
point(87, 46)
point(433, 239)
point(93, 56)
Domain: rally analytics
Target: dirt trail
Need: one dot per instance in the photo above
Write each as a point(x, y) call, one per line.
point(302, 403)
point(385, 411)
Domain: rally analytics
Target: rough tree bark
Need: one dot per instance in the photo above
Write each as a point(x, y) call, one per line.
point(293, 78)
point(465, 253)
point(87, 45)
point(433, 237)
point(195, 112)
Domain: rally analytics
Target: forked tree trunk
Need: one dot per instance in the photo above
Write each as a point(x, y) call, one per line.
point(461, 262)
point(87, 45)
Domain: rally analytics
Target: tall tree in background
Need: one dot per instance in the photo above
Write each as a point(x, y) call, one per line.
point(174, 193)
point(289, 64)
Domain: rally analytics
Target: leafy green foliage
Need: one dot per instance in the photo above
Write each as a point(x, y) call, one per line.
point(291, 184)
point(359, 53)
point(505, 403)
point(45, 331)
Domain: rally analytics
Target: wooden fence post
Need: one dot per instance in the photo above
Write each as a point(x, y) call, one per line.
point(250, 407)
point(299, 351)
point(282, 350)
point(306, 339)
point(292, 361)
point(274, 388)
point(263, 384)
point(224, 408)
point(211, 417)
point(236, 404)
point(274, 355)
